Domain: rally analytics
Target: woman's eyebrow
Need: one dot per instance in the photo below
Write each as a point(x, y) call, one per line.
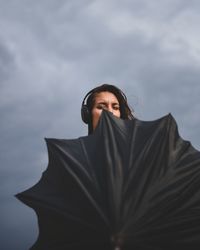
point(102, 102)
point(105, 102)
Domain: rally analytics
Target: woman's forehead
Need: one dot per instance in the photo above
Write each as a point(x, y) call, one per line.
point(105, 96)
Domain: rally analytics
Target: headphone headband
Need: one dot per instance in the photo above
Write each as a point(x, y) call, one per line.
point(83, 102)
point(85, 113)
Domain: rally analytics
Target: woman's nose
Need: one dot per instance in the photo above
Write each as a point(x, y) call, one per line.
point(110, 109)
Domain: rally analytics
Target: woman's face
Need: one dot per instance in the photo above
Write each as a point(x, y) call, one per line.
point(104, 100)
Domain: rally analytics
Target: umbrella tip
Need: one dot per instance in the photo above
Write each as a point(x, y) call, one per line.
point(117, 242)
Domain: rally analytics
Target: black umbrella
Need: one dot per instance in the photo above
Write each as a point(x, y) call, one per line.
point(129, 185)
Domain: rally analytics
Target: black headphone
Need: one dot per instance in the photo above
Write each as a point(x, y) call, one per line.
point(85, 113)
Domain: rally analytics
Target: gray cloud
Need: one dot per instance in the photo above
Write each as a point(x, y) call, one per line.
point(53, 52)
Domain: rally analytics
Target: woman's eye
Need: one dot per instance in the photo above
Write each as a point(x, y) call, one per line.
point(116, 107)
point(101, 106)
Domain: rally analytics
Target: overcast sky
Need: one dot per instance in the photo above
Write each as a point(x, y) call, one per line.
point(52, 52)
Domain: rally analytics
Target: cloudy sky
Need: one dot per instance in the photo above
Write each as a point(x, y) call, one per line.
point(52, 52)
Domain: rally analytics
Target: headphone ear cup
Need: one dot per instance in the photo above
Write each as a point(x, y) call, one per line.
point(85, 114)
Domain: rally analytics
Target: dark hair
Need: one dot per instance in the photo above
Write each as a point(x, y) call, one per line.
point(125, 111)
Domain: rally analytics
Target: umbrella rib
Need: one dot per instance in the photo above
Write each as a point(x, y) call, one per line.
point(93, 178)
point(90, 198)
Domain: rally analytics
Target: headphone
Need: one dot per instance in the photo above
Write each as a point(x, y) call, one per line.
point(85, 113)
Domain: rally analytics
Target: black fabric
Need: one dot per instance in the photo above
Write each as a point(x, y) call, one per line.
point(132, 184)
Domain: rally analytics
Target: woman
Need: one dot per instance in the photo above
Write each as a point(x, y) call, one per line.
point(107, 97)
point(65, 212)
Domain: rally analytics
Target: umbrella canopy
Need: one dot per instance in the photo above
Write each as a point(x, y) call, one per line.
point(129, 185)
